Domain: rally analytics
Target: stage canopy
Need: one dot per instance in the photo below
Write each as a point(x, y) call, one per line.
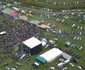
point(32, 42)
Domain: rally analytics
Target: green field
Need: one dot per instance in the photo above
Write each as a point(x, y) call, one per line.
point(28, 66)
point(8, 58)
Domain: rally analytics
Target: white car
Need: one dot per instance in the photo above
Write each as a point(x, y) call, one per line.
point(71, 64)
point(7, 68)
point(13, 69)
point(65, 68)
point(3, 32)
point(74, 37)
point(22, 56)
point(80, 48)
point(79, 67)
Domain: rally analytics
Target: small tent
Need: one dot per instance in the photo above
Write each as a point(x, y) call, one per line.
point(30, 15)
point(44, 26)
point(14, 14)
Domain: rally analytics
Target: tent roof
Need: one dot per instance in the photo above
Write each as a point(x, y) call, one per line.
point(41, 60)
point(14, 14)
point(32, 42)
point(44, 26)
point(51, 54)
point(30, 15)
point(8, 11)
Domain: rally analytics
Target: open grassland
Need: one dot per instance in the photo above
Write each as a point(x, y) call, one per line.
point(4, 57)
point(60, 44)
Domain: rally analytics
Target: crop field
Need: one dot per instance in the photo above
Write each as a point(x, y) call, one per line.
point(62, 21)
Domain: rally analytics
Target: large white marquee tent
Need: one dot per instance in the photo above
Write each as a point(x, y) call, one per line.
point(51, 55)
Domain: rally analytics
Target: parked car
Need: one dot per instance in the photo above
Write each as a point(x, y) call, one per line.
point(67, 43)
point(79, 67)
point(16, 67)
point(80, 48)
point(71, 64)
point(27, 59)
point(13, 69)
point(72, 45)
point(36, 64)
point(84, 59)
point(7, 68)
point(52, 68)
point(75, 60)
point(22, 56)
point(65, 68)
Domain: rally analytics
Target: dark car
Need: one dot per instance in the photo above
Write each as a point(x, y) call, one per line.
point(75, 60)
point(83, 67)
point(26, 58)
point(36, 64)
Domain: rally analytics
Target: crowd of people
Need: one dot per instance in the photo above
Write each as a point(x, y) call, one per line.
point(16, 32)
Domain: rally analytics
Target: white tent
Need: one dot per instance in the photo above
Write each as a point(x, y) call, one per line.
point(51, 55)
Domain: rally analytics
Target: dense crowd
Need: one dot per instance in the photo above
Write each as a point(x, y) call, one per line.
point(17, 32)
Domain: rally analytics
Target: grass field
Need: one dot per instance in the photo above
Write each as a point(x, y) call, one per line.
point(28, 66)
point(5, 58)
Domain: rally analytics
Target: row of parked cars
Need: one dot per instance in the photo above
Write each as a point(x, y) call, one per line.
point(13, 68)
point(25, 57)
point(22, 56)
point(78, 27)
point(79, 67)
point(73, 54)
point(76, 46)
point(76, 37)
point(67, 43)
point(18, 56)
